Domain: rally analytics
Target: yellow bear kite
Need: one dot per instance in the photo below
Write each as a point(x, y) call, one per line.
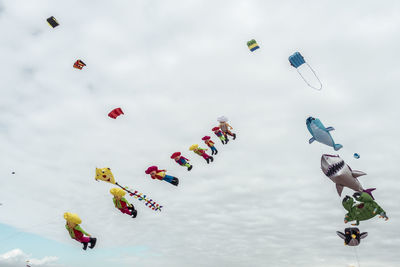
point(105, 174)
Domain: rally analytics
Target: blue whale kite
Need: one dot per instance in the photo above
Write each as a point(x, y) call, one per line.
point(320, 133)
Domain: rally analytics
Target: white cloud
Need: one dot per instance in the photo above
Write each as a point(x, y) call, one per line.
point(17, 258)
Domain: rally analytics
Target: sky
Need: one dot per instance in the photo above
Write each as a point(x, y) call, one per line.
point(174, 67)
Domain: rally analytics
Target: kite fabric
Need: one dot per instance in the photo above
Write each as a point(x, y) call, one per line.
point(115, 113)
point(79, 64)
point(252, 45)
point(52, 22)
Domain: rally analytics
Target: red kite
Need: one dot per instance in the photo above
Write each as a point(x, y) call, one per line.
point(115, 113)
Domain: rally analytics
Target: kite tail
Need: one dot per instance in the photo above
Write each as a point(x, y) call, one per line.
point(141, 197)
point(304, 79)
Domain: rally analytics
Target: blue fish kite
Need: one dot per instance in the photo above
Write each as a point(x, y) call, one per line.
point(320, 133)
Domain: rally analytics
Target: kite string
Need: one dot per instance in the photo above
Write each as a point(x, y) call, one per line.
point(355, 253)
point(304, 79)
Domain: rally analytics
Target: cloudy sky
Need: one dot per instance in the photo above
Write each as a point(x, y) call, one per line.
point(174, 67)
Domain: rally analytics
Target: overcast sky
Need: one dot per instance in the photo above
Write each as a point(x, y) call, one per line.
point(174, 67)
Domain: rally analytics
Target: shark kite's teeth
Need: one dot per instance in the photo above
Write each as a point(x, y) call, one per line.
point(335, 168)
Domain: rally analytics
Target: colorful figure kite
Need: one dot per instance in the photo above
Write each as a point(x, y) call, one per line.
point(181, 160)
point(79, 64)
point(296, 60)
point(76, 232)
point(121, 203)
point(106, 175)
point(155, 173)
point(207, 140)
point(115, 113)
point(366, 209)
point(201, 152)
point(320, 133)
point(223, 124)
point(352, 236)
point(52, 22)
point(217, 131)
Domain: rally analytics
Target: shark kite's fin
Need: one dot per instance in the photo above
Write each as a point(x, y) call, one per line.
point(311, 140)
point(369, 192)
point(339, 189)
point(337, 146)
point(330, 129)
point(356, 173)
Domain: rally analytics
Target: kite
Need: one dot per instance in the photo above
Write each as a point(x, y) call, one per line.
point(76, 232)
point(155, 173)
point(217, 131)
point(341, 174)
point(356, 155)
point(224, 126)
point(352, 236)
point(181, 160)
point(366, 209)
point(320, 133)
point(106, 175)
point(52, 22)
point(79, 64)
point(201, 152)
point(252, 45)
point(296, 60)
point(207, 140)
point(121, 203)
point(115, 113)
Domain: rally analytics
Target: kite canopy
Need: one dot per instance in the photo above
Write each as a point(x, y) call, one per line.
point(252, 45)
point(222, 119)
point(72, 217)
point(296, 60)
point(356, 155)
point(79, 64)
point(193, 147)
point(118, 192)
point(176, 154)
point(52, 22)
point(115, 113)
point(105, 175)
point(206, 138)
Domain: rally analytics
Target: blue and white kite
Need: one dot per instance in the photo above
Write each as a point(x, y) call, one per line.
point(296, 60)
